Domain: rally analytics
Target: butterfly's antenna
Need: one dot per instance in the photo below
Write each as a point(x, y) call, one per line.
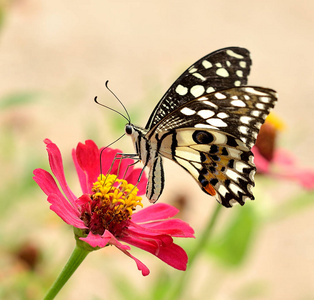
point(106, 84)
point(100, 155)
point(95, 99)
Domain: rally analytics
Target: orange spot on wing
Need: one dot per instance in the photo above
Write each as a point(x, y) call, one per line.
point(210, 190)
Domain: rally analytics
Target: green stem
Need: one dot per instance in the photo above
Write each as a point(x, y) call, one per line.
point(201, 244)
point(73, 263)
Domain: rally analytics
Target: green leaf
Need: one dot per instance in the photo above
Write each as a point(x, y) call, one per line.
point(231, 246)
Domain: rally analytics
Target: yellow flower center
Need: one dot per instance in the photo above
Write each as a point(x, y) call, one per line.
point(113, 201)
point(119, 196)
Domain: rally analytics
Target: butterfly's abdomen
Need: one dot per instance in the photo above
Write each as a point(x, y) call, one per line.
point(148, 154)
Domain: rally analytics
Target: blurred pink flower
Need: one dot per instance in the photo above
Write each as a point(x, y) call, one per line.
point(278, 162)
point(104, 213)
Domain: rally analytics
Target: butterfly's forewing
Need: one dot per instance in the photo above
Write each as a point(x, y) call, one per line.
point(211, 137)
point(224, 68)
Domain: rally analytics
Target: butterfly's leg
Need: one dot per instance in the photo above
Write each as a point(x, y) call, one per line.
point(127, 169)
point(138, 180)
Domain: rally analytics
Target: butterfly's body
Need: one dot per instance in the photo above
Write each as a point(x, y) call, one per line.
point(207, 122)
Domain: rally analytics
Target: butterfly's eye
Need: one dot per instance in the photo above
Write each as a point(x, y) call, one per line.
point(128, 129)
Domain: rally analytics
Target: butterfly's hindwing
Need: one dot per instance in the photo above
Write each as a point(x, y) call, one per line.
point(224, 68)
point(221, 164)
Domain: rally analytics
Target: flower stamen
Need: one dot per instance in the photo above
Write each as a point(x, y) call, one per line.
point(112, 204)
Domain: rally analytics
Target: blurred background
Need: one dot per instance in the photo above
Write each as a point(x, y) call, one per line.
point(55, 57)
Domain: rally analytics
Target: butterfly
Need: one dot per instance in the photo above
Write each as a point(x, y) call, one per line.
point(207, 122)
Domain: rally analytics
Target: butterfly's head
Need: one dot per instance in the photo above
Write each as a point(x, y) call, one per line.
point(129, 129)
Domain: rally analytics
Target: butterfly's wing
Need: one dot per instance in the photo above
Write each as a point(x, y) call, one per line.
point(211, 137)
point(222, 69)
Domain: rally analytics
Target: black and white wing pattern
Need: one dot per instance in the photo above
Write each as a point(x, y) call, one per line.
point(211, 137)
point(224, 68)
point(207, 122)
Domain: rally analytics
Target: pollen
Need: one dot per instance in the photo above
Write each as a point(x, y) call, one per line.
point(111, 204)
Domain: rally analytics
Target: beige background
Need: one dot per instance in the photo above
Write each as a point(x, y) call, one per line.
point(66, 50)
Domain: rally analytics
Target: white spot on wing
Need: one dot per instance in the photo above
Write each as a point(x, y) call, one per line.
point(238, 103)
point(219, 65)
point(243, 129)
point(254, 91)
point(222, 115)
point(252, 174)
point(220, 96)
point(204, 126)
point(239, 73)
point(260, 105)
point(187, 111)
point(239, 166)
point(258, 125)
point(242, 64)
point(246, 120)
point(206, 64)
point(255, 113)
point(205, 113)
point(237, 83)
point(264, 99)
point(222, 190)
point(233, 175)
point(200, 76)
point(192, 69)
point(234, 153)
point(236, 55)
point(235, 188)
point(222, 72)
point(202, 98)
point(210, 90)
point(197, 90)
point(211, 104)
point(216, 122)
point(181, 90)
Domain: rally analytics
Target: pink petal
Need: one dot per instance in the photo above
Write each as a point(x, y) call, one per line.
point(56, 165)
point(96, 240)
point(171, 254)
point(305, 178)
point(46, 182)
point(283, 157)
point(173, 227)
point(140, 266)
point(154, 239)
point(107, 237)
point(88, 159)
point(81, 175)
point(157, 211)
point(285, 167)
point(124, 248)
point(65, 211)
point(262, 164)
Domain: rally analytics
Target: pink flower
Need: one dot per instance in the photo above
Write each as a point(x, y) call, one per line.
point(276, 162)
point(103, 214)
